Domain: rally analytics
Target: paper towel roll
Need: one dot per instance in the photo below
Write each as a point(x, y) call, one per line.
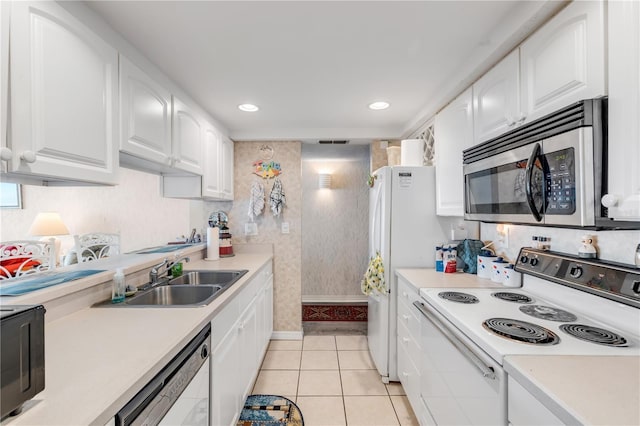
point(411, 152)
point(213, 244)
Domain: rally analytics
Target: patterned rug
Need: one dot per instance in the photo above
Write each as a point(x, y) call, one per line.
point(270, 410)
point(338, 312)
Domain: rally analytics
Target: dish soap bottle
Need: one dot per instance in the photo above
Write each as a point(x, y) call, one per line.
point(176, 268)
point(118, 289)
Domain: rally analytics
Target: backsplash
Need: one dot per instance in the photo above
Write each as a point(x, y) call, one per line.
point(134, 208)
point(617, 246)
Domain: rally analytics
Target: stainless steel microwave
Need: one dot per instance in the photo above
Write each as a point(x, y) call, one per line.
point(548, 172)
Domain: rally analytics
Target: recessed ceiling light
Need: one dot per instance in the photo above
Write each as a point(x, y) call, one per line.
point(248, 107)
point(379, 105)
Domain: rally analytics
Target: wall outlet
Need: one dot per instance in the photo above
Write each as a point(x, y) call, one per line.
point(285, 227)
point(251, 228)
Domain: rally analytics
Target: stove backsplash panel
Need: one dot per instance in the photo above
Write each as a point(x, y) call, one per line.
point(616, 246)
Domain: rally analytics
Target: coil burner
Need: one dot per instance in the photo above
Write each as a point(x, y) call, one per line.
point(512, 297)
point(521, 331)
point(594, 334)
point(548, 313)
point(456, 296)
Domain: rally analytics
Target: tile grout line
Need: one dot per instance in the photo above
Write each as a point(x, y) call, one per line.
point(344, 404)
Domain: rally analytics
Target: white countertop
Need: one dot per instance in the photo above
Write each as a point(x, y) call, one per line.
point(590, 390)
point(428, 277)
point(97, 359)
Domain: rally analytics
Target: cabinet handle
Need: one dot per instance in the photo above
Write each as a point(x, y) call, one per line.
point(405, 317)
point(241, 326)
point(405, 340)
point(28, 157)
point(610, 200)
point(510, 121)
point(404, 293)
point(5, 154)
point(404, 374)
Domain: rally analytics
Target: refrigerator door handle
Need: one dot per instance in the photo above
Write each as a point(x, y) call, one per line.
point(372, 232)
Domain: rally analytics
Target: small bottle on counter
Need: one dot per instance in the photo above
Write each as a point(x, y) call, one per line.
point(119, 287)
point(439, 258)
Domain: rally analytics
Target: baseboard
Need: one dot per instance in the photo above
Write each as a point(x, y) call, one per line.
point(311, 299)
point(286, 335)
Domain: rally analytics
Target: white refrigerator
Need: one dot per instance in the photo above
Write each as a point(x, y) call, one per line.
point(404, 229)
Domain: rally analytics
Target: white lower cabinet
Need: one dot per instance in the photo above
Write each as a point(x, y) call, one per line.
point(409, 351)
point(524, 409)
point(239, 340)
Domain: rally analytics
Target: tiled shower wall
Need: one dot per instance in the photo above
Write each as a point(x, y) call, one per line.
point(334, 222)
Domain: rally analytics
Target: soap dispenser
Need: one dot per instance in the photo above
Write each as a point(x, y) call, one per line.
point(119, 287)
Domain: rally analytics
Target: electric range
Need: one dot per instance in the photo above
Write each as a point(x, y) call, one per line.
point(548, 315)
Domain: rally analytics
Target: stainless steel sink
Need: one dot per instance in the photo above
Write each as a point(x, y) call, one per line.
point(207, 277)
point(177, 295)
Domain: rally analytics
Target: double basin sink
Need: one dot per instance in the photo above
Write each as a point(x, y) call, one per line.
point(193, 288)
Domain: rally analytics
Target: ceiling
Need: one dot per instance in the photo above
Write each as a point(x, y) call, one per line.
point(314, 66)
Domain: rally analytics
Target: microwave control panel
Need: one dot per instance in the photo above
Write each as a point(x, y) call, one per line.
point(560, 178)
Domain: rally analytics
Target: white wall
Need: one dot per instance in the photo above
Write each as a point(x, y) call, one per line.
point(134, 209)
point(617, 246)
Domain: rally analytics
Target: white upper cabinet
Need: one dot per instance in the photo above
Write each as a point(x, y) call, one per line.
point(623, 198)
point(64, 97)
point(453, 134)
point(187, 138)
point(226, 167)
point(211, 177)
point(5, 152)
point(145, 108)
point(564, 61)
point(496, 99)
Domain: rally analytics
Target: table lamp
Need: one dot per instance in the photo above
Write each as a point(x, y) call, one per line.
point(49, 224)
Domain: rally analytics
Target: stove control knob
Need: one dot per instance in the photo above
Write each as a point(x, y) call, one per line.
point(575, 272)
point(534, 261)
point(524, 258)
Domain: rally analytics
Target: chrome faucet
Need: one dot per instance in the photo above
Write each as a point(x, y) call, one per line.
point(153, 273)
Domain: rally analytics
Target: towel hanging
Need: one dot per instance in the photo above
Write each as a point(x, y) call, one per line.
point(276, 198)
point(374, 277)
point(256, 199)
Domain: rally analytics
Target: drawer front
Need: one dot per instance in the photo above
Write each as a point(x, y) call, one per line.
point(223, 321)
point(409, 376)
point(406, 292)
point(409, 316)
point(410, 345)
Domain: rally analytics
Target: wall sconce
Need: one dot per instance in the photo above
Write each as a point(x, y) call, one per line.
point(324, 180)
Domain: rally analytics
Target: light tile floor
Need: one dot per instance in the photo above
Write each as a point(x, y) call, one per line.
point(334, 382)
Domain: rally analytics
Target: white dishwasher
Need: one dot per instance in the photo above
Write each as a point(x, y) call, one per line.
point(179, 394)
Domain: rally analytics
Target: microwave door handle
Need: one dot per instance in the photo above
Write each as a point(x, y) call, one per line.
point(528, 187)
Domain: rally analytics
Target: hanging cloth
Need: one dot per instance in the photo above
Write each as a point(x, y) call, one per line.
point(276, 198)
point(374, 277)
point(256, 199)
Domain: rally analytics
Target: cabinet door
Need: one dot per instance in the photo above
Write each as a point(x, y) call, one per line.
point(249, 348)
point(187, 138)
point(268, 301)
point(5, 152)
point(227, 168)
point(496, 100)
point(64, 96)
point(624, 111)
point(145, 111)
point(453, 134)
point(225, 386)
point(211, 186)
point(563, 62)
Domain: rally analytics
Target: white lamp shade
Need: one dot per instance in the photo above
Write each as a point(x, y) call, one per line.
point(324, 180)
point(48, 224)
